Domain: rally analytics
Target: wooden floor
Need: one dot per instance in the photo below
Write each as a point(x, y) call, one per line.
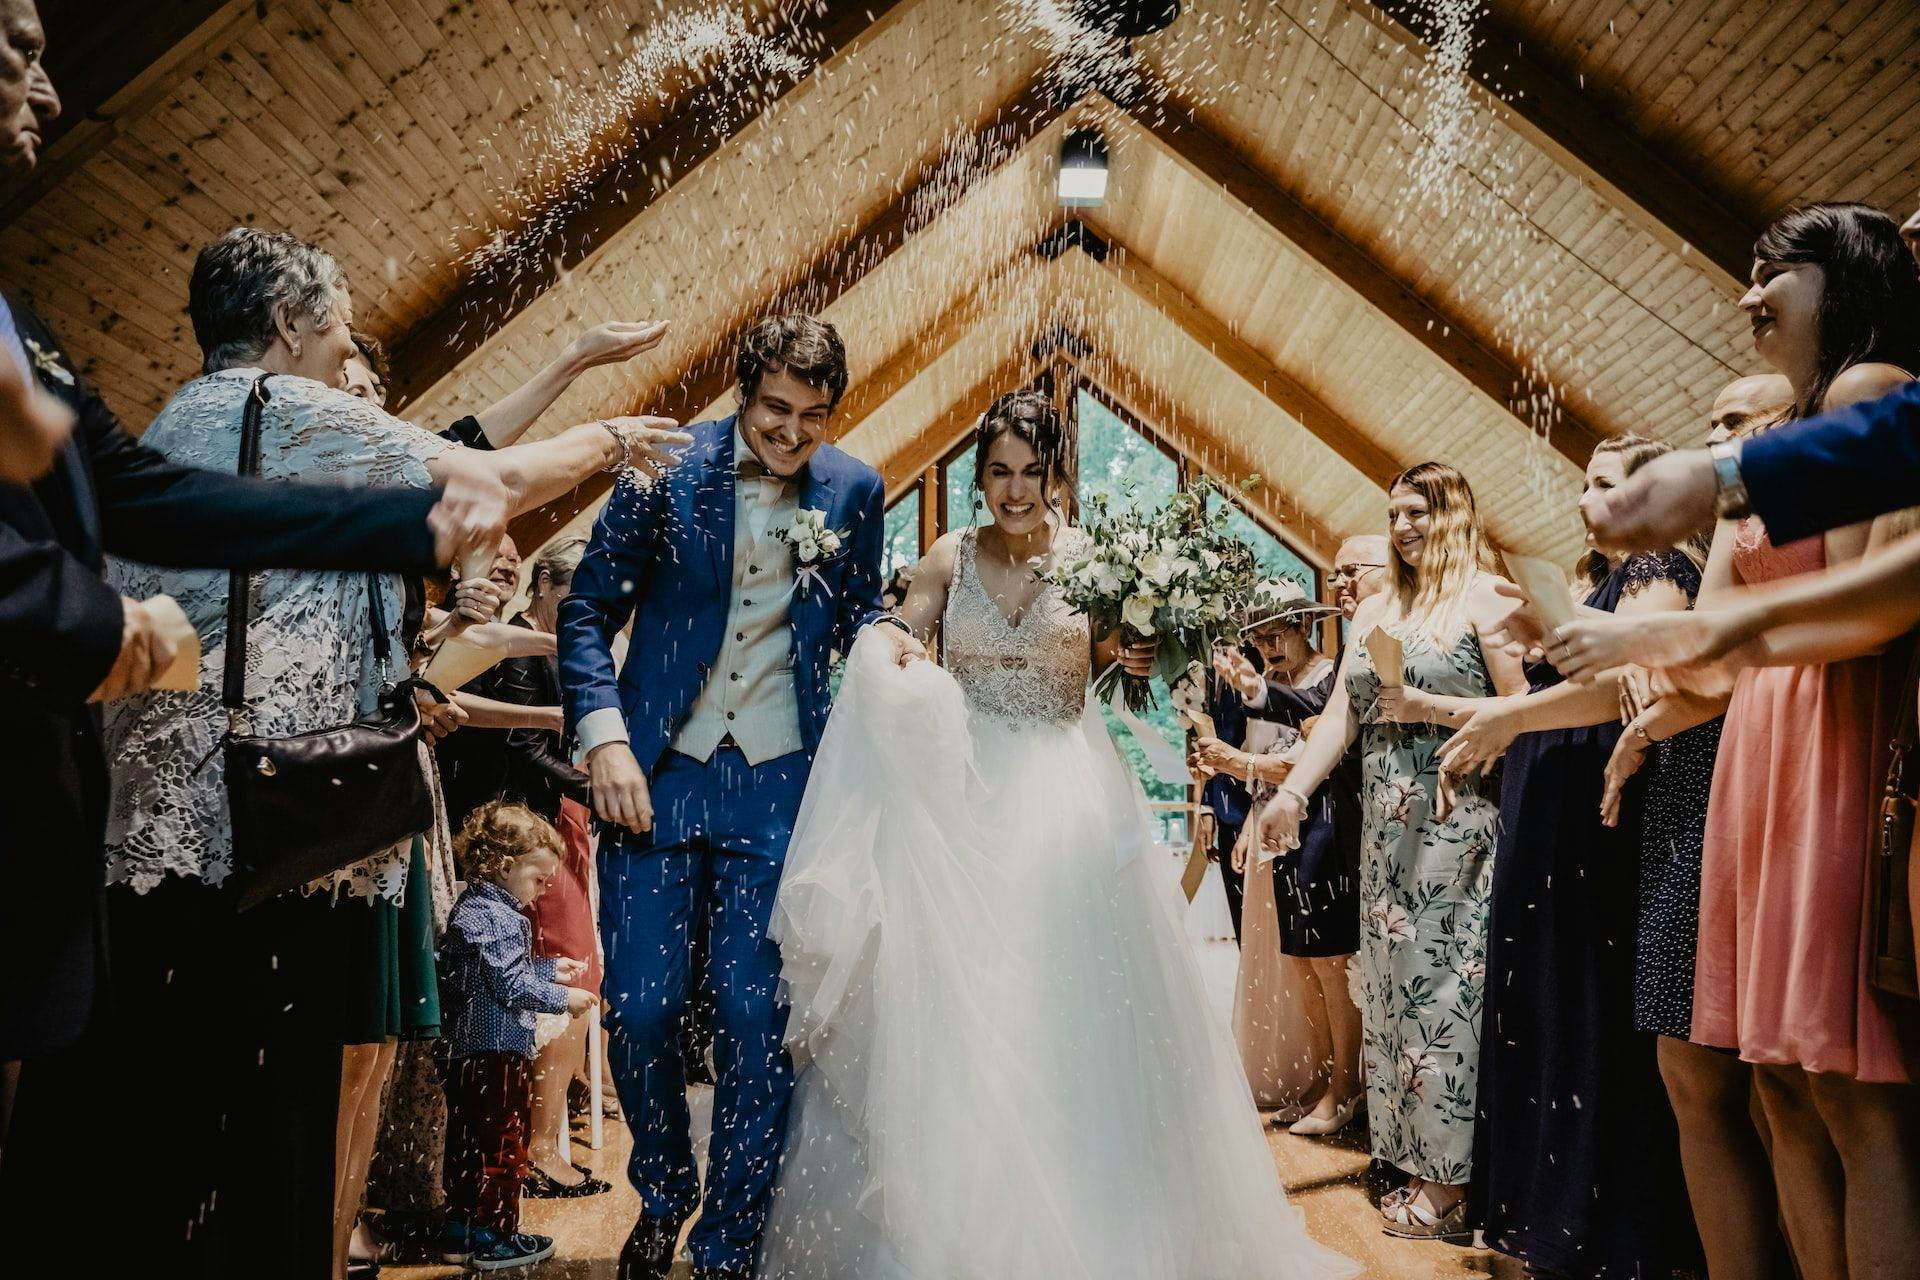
point(1323, 1176)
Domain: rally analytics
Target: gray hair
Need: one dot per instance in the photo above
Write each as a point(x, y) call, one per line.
point(558, 561)
point(246, 281)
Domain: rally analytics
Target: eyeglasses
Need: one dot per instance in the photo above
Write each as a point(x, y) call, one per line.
point(1354, 574)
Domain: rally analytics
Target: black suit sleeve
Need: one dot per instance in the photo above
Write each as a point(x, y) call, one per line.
point(159, 512)
point(60, 625)
point(531, 750)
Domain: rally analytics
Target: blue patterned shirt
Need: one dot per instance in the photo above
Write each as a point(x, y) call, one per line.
point(491, 984)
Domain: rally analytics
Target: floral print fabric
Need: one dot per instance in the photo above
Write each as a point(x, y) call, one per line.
point(1420, 975)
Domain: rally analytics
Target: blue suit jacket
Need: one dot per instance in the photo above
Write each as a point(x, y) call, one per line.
point(1836, 469)
point(663, 555)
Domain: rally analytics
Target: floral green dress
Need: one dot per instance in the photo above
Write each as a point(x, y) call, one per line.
point(1420, 975)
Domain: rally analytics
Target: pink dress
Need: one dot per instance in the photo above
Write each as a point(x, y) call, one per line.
point(1780, 973)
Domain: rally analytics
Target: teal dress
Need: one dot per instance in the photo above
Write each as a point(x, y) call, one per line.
point(1420, 975)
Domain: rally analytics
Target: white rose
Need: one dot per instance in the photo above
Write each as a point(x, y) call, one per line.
point(1137, 613)
point(1185, 568)
point(830, 542)
point(1157, 568)
point(806, 549)
point(1184, 599)
point(1104, 579)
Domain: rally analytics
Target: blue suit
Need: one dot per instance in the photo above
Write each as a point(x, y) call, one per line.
point(1836, 469)
point(664, 556)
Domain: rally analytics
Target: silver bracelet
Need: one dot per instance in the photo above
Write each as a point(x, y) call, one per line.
point(621, 447)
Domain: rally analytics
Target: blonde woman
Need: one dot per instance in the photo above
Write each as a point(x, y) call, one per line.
point(1426, 861)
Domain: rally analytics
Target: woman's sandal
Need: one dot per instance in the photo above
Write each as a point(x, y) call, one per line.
point(1393, 1200)
point(539, 1185)
point(1409, 1221)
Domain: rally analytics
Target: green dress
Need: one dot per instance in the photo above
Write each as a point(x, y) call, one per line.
point(1419, 978)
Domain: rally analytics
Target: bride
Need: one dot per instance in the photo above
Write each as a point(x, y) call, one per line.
point(1006, 1065)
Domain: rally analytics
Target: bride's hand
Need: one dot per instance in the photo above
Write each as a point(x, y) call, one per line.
point(1137, 659)
point(906, 646)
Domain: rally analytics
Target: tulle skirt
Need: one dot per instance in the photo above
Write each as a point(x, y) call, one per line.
point(1006, 1062)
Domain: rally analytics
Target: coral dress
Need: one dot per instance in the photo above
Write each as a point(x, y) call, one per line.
point(1781, 970)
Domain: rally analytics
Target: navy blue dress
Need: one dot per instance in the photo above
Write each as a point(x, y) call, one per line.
point(1576, 1155)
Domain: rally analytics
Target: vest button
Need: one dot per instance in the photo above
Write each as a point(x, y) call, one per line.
point(747, 603)
point(729, 715)
point(734, 675)
point(753, 568)
point(741, 636)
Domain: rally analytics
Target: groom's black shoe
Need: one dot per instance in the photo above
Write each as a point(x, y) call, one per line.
point(648, 1254)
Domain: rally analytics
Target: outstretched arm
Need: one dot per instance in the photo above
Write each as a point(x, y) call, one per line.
point(506, 421)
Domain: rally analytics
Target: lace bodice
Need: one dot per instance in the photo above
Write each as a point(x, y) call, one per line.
point(1034, 670)
point(310, 645)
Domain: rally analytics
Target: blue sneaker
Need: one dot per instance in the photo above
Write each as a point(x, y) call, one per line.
point(456, 1243)
point(492, 1251)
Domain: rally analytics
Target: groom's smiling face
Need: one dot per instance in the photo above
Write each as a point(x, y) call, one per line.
point(786, 422)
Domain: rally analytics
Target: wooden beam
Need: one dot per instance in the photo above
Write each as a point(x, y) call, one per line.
point(1284, 391)
point(706, 377)
point(1216, 161)
point(111, 60)
point(660, 158)
point(1546, 105)
point(1173, 427)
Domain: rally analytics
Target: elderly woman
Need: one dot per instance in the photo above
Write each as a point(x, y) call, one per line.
point(254, 1007)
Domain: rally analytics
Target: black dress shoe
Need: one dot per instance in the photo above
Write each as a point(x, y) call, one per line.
point(648, 1253)
point(539, 1185)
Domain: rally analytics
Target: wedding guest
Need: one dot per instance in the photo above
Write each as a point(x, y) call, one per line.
point(1224, 792)
point(274, 311)
point(494, 987)
point(1576, 1156)
point(1316, 885)
point(1426, 856)
point(1780, 974)
point(1847, 465)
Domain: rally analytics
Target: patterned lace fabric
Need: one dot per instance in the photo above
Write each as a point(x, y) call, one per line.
point(310, 660)
point(1035, 670)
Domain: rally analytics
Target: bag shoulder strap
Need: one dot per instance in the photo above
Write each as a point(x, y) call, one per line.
point(1902, 778)
point(239, 597)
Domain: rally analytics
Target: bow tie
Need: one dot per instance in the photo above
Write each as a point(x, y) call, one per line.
point(751, 468)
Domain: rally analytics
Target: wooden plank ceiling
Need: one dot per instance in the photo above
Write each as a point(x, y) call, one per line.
point(1300, 281)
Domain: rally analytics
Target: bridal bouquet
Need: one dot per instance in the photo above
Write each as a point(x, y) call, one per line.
point(1172, 574)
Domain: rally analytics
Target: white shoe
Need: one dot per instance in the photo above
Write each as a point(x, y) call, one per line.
point(1312, 1127)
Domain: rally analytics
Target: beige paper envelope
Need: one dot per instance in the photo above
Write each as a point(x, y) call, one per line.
point(1545, 587)
point(1389, 657)
point(170, 620)
point(1202, 723)
point(1196, 872)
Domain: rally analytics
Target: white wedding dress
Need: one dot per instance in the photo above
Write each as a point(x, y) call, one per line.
point(1007, 1067)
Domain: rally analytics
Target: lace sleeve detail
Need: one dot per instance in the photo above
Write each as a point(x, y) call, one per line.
point(1643, 571)
point(310, 656)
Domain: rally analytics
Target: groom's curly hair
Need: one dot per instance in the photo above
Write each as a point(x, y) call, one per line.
point(808, 348)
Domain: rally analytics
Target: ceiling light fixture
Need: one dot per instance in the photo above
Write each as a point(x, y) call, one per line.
point(1083, 169)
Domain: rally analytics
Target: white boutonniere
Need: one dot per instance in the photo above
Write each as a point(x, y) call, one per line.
point(48, 363)
point(813, 544)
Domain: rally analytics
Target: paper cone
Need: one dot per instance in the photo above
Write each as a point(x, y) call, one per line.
point(170, 620)
point(1389, 657)
point(1195, 873)
point(1545, 588)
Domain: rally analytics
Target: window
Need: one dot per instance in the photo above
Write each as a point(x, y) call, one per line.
point(901, 547)
point(958, 473)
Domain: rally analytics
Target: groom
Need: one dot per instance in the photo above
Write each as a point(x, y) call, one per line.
point(699, 756)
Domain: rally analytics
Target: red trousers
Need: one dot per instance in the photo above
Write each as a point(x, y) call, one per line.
point(489, 1106)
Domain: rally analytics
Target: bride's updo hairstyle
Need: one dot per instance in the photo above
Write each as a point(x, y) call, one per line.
point(1432, 597)
point(1031, 417)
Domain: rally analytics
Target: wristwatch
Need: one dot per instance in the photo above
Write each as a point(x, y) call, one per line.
point(1730, 501)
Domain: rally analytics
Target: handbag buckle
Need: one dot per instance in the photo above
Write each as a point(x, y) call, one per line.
point(264, 767)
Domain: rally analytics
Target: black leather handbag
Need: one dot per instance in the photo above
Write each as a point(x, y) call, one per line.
point(308, 805)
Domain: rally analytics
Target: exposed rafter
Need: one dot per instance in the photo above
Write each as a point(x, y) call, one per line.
point(937, 439)
point(706, 378)
point(1548, 107)
point(436, 347)
point(1284, 391)
point(1448, 337)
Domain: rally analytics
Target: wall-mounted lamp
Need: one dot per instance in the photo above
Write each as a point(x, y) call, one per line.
point(1083, 169)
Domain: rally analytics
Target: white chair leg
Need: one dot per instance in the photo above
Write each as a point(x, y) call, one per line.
point(596, 1075)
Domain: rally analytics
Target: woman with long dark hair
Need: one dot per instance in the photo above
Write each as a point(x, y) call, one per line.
point(1781, 973)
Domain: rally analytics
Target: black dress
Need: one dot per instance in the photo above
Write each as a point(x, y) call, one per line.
point(1576, 1154)
point(1678, 774)
point(1317, 884)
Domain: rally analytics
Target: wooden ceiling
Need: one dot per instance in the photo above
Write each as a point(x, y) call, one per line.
point(1300, 283)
